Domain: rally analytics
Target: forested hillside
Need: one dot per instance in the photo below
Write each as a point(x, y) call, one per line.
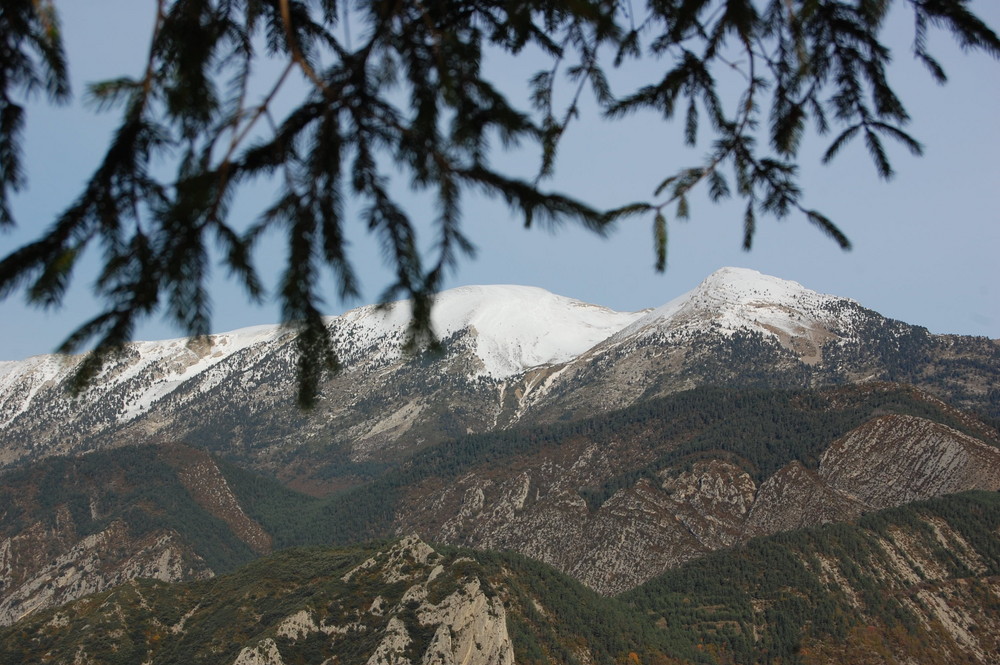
point(760, 431)
point(72, 526)
point(914, 584)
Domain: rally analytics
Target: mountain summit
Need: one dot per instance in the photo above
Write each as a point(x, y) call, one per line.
point(739, 300)
point(735, 298)
point(515, 327)
point(742, 328)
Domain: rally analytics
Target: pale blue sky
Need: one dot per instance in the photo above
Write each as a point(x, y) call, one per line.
point(925, 244)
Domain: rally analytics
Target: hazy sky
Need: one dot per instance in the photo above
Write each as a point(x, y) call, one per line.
point(926, 244)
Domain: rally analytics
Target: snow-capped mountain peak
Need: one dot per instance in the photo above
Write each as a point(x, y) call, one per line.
point(732, 299)
point(742, 285)
point(515, 327)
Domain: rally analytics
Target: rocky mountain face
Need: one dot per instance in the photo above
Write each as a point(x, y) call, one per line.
point(72, 527)
point(651, 516)
point(613, 501)
point(621, 449)
point(81, 566)
point(511, 355)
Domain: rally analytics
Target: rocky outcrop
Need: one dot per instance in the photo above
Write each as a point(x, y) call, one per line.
point(32, 580)
point(797, 497)
point(471, 628)
point(898, 459)
point(889, 461)
point(401, 604)
point(467, 627)
point(421, 626)
point(264, 652)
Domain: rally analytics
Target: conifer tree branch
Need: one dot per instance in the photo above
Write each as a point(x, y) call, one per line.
point(295, 50)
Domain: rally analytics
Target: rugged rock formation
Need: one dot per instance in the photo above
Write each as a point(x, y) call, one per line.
point(33, 577)
point(683, 512)
point(404, 604)
point(466, 626)
point(898, 459)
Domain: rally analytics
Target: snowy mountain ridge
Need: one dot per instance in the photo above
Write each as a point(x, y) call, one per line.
point(511, 354)
point(157, 367)
point(517, 327)
point(737, 297)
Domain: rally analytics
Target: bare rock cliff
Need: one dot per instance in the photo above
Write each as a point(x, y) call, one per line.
point(898, 459)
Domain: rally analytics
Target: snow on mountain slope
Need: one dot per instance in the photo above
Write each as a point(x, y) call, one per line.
point(145, 371)
point(511, 354)
point(735, 299)
point(738, 327)
point(21, 380)
point(510, 329)
point(515, 327)
point(175, 361)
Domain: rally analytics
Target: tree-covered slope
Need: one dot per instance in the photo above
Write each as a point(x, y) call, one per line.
point(761, 430)
point(681, 475)
point(918, 583)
